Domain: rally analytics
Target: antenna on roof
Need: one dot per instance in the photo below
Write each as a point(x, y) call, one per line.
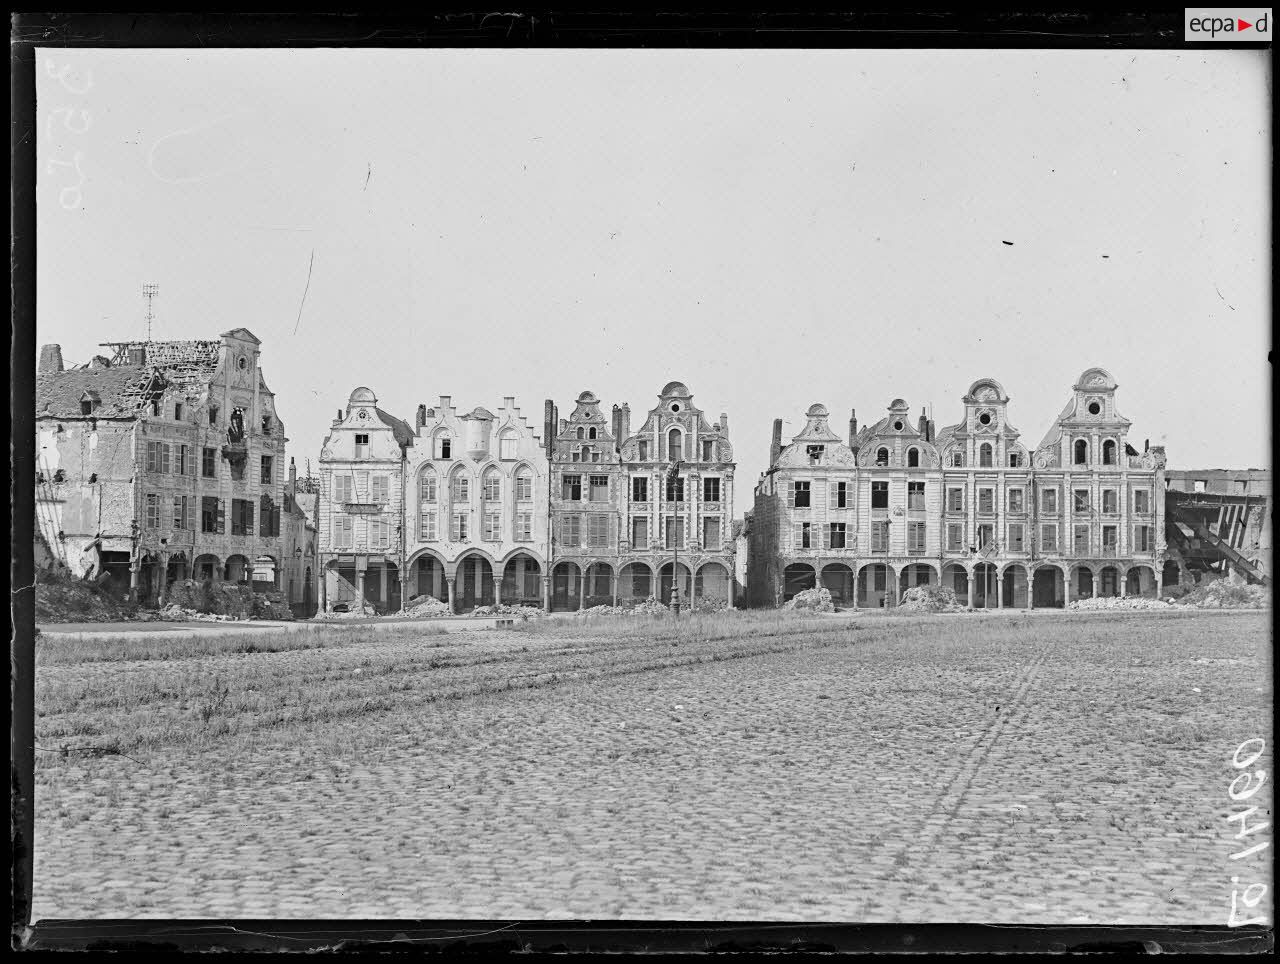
point(149, 291)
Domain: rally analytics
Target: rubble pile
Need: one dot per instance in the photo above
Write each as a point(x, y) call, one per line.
point(1119, 602)
point(811, 601)
point(1226, 594)
point(930, 599)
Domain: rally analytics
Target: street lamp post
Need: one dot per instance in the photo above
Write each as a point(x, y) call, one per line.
point(673, 474)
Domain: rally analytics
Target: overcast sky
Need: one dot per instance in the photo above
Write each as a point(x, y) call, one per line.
point(772, 228)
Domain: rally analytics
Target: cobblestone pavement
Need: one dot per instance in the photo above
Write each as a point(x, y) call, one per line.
point(1072, 770)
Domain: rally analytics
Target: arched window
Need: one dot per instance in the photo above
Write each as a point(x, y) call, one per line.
point(1015, 460)
point(1109, 452)
point(582, 432)
point(591, 433)
point(1080, 454)
point(586, 454)
point(427, 491)
point(957, 459)
point(913, 458)
point(443, 446)
point(492, 491)
point(460, 488)
point(984, 455)
point(675, 445)
point(524, 486)
point(882, 456)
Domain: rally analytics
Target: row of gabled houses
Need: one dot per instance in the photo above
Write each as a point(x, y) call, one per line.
point(166, 461)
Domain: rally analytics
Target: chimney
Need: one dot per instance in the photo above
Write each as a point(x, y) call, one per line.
point(724, 424)
point(853, 425)
point(51, 358)
point(1146, 445)
point(561, 424)
point(776, 448)
point(99, 361)
point(293, 475)
point(509, 402)
point(626, 423)
point(339, 415)
point(922, 426)
point(615, 423)
point(549, 424)
point(929, 433)
point(422, 416)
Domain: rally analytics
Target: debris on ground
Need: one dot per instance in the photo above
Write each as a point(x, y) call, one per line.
point(1226, 594)
point(811, 601)
point(1118, 602)
point(930, 599)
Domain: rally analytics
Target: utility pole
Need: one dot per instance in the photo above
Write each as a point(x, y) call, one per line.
point(149, 291)
point(673, 476)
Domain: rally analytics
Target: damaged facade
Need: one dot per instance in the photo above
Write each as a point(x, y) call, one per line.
point(162, 462)
point(968, 507)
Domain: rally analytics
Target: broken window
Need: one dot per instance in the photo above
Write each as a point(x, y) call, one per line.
point(586, 455)
point(913, 458)
point(571, 488)
point(915, 537)
point(1109, 452)
point(640, 532)
point(1141, 501)
point(180, 517)
point(1015, 537)
point(267, 469)
point(955, 538)
point(213, 414)
point(155, 406)
point(460, 526)
point(591, 432)
point(524, 527)
point(237, 470)
point(957, 459)
point(986, 501)
point(443, 446)
point(840, 495)
point(639, 489)
point(984, 455)
point(1110, 501)
point(381, 488)
point(675, 490)
point(241, 517)
point(711, 489)
point(1015, 500)
point(460, 489)
point(837, 535)
point(882, 456)
point(1080, 452)
point(599, 491)
point(59, 475)
point(804, 535)
point(1110, 534)
point(879, 495)
point(524, 486)
point(915, 495)
point(1081, 503)
point(267, 424)
point(1015, 460)
point(1199, 485)
point(800, 494)
point(1080, 542)
point(986, 535)
point(880, 536)
point(158, 457)
point(643, 446)
point(493, 527)
point(1142, 541)
point(1049, 538)
point(815, 453)
point(208, 513)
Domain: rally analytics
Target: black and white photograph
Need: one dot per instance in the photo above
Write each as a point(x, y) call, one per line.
point(812, 485)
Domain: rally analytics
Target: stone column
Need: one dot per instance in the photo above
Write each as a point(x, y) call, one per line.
point(999, 590)
point(729, 589)
point(1093, 583)
point(360, 587)
point(582, 587)
point(1124, 589)
point(1159, 570)
point(134, 574)
point(1031, 589)
point(972, 574)
point(546, 592)
point(324, 589)
point(453, 596)
point(497, 586)
point(404, 591)
point(613, 586)
point(162, 589)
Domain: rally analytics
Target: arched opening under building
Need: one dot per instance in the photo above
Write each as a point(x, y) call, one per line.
point(918, 574)
point(667, 581)
point(236, 569)
point(1172, 574)
point(1049, 587)
point(1083, 582)
point(956, 577)
point(178, 568)
point(207, 566)
point(566, 587)
point(984, 586)
point(1108, 581)
point(838, 580)
point(473, 583)
point(635, 584)
point(266, 574)
point(1014, 591)
point(877, 586)
point(1141, 581)
point(429, 578)
point(796, 578)
point(598, 585)
point(522, 581)
point(712, 584)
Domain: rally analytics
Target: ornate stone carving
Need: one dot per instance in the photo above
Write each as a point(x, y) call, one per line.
point(1046, 458)
point(986, 394)
point(724, 451)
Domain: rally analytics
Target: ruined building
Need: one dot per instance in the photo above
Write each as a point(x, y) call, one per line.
point(624, 529)
point(902, 504)
point(161, 462)
point(1218, 521)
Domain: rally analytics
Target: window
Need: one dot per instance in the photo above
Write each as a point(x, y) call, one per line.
point(379, 534)
point(242, 517)
point(598, 530)
point(460, 526)
point(1015, 537)
point(711, 489)
point(491, 491)
point(955, 500)
point(1109, 452)
point(675, 490)
point(882, 456)
point(208, 463)
point(804, 536)
point(643, 447)
point(1081, 503)
point(711, 533)
point(815, 453)
point(1080, 542)
point(158, 457)
point(639, 489)
point(267, 478)
point(1198, 485)
point(955, 538)
point(915, 495)
point(640, 532)
point(571, 488)
point(153, 511)
point(582, 432)
point(587, 454)
point(800, 496)
point(984, 455)
point(524, 486)
point(880, 537)
point(913, 458)
point(342, 489)
point(1049, 501)
point(1015, 500)
point(1142, 541)
point(177, 411)
point(599, 490)
point(957, 459)
point(675, 446)
point(155, 406)
point(1110, 501)
point(879, 495)
point(840, 495)
point(986, 535)
point(915, 537)
point(1080, 452)
point(1110, 535)
point(183, 464)
point(708, 450)
point(507, 447)
point(180, 517)
point(444, 446)
point(266, 424)
point(591, 432)
point(213, 414)
point(86, 407)
point(210, 514)
point(460, 489)
point(675, 533)
point(1015, 460)
point(837, 535)
point(362, 446)
point(237, 470)
point(570, 530)
point(343, 531)
point(1141, 501)
point(427, 486)
point(427, 530)
point(986, 501)
point(1048, 538)
point(381, 488)
point(524, 527)
point(493, 527)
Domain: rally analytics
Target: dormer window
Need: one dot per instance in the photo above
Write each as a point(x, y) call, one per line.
point(266, 424)
point(708, 450)
point(444, 447)
point(913, 458)
point(1095, 408)
point(957, 460)
point(643, 446)
point(984, 455)
point(985, 418)
point(1080, 452)
point(89, 403)
point(815, 453)
point(1109, 452)
point(882, 456)
point(1015, 460)
point(213, 414)
point(591, 433)
point(155, 406)
point(362, 446)
point(177, 411)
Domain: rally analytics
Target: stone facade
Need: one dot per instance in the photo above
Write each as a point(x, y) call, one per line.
point(163, 462)
point(476, 510)
point(968, 507)
point(620, 533)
